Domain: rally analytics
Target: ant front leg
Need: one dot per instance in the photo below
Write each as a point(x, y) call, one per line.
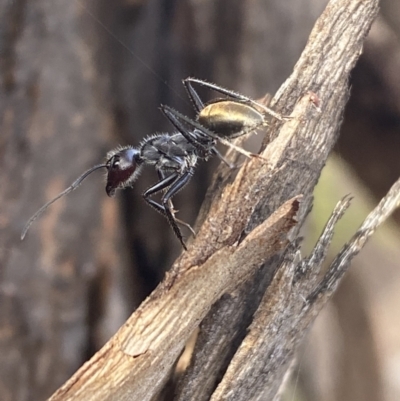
point(173, 183)
point(163, 184)
point(161, 176)
point(180, 182)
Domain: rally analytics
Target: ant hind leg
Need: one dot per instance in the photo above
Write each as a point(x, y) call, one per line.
point(234, 95)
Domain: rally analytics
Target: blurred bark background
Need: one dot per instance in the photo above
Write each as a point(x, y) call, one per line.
point(80, 77)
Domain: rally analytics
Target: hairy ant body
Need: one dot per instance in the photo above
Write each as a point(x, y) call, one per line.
point(175, 155)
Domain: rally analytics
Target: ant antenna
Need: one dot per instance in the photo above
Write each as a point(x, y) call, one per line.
point(71, 188)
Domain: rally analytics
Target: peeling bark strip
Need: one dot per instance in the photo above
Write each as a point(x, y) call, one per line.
point(245, 224)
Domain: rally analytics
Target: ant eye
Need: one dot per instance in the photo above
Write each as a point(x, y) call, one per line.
point(114, 161)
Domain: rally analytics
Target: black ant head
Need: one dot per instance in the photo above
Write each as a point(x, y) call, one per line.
point(123, 167)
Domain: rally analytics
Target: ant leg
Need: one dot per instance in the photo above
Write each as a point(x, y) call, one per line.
point(165, 210)
point(159, 208)
point(161, 176)
point(187, 225)
point(221, 157)
point(233, 95)
point(193, 95)
point(176, 119)
point(159, 186)
point(173, 190)
point(239, 149)
point(163, 184)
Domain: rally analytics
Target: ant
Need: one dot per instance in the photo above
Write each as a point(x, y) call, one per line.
point(175, 155)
